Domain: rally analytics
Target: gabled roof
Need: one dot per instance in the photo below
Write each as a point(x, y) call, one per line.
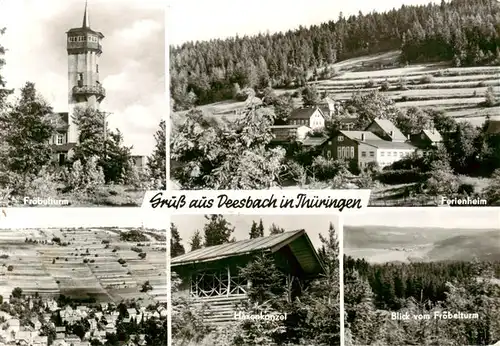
point(375, 141)
point(433, 135)
point(298, 241)
point(493, 126)
point(304, 113)
point(356, 135)
point(314, 141)
point(387, 126)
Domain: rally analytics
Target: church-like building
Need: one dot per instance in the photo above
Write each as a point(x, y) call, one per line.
point(84, 88)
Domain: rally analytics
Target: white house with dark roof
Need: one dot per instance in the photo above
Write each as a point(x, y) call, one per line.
point(366, 147)
point(311, 117)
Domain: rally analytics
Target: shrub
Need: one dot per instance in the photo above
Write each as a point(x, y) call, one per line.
point(136, 178)
point(146, 287)
point(188, 324)
point(325, 169)
point(466, 189)
point(136, 249)
point(401, 176)
point(402, 84)
point(142, 255)
point(489, 97)
point(296, 172)
point(385, 86)
point(85, 178)
point(10, 268)
point(122, 261)
point(43, 184)
point(426, 79)
point(370, 84)
point(4, 256)
point(244, 94)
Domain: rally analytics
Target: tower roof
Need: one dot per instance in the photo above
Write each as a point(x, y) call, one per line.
point(85, 28)
point(85, 23)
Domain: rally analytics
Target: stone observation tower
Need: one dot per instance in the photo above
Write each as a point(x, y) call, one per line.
point(84, 88)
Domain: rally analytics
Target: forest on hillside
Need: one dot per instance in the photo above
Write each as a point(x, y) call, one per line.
point(373, 291)
point(462, 32)
point(313, 318)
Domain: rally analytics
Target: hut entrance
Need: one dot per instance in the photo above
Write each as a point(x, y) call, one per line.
point(217, 283)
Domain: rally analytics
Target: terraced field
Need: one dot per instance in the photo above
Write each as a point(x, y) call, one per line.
point(84, 265)
point(458, 91)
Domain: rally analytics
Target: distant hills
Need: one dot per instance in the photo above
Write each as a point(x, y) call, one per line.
point(385, 244)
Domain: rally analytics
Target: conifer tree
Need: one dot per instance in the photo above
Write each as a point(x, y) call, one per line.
point(217, 230)
point(274, 229)
point(157, 161)
point(176, 248)
point(196, 241)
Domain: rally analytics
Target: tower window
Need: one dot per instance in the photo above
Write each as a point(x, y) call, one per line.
point(97, 68)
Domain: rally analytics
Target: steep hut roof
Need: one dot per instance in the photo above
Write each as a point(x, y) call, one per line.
point(298, 242)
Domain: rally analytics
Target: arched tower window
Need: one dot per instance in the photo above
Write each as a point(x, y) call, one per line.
point(80, 79)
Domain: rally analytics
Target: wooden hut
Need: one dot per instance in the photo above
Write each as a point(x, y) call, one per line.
point(211, 276)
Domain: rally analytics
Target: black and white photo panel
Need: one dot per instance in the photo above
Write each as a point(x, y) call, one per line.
point(255, 280)
point(82, 280)
point(392, 96)
point(82, 98)
point(422, 276)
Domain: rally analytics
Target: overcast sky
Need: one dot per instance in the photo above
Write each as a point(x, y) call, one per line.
point(191, 20)
point(132, 65)
point(442, 217)
point(314, 225)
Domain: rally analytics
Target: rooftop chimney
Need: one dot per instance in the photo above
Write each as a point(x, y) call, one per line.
point(391, 133)
point(362, 137)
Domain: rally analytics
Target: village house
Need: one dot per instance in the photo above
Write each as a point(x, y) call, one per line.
point(327, 106)
point(347, 123)
point(426, 139)
point(300, 122)
point(311, 117)
point(386, 130)
point(211, 275)
point(364, 148)
point(287, 133)
point(493, 126)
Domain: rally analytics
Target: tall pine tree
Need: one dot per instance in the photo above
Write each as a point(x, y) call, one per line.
point(196, 241)
point(176, 248)
point(217, 230)
point(157, 162)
